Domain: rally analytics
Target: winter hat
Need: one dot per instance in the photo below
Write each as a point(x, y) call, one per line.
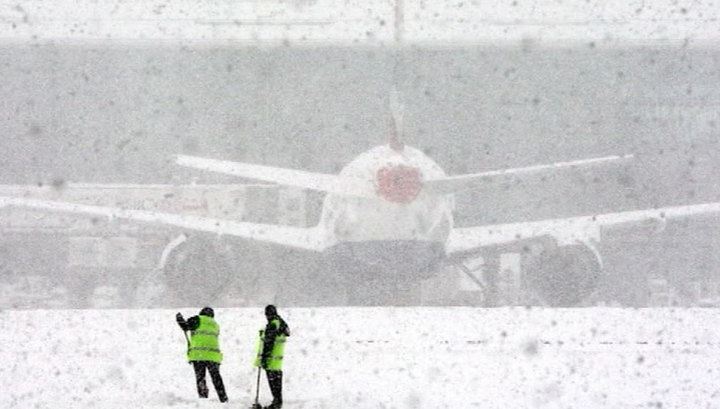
point(270, 311)
point(208, 312)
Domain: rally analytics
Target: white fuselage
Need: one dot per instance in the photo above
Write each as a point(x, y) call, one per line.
point(402, 211)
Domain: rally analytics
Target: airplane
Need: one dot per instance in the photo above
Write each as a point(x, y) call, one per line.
point(387, 223)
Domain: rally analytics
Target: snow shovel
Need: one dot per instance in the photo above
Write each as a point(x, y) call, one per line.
point(179, 318)
point(257, 405)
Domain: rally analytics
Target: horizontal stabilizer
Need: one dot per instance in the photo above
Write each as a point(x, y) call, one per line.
point(454, 184)
point(287, 177)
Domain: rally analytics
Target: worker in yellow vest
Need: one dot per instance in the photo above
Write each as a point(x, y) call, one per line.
point(204, 350)
point(271, 347)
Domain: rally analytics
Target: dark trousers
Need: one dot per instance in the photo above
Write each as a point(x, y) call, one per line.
point(275, 381)
point(214, 369)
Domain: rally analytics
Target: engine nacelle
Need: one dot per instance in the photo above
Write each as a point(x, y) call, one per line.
point(563, 275)
point(197, 270)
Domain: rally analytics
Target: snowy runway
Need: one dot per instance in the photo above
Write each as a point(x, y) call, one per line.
point(373, 358)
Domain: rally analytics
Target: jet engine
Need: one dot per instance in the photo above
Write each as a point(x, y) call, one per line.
point(197, 270)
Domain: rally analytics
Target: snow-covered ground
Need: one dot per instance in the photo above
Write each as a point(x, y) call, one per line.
point(373, 358)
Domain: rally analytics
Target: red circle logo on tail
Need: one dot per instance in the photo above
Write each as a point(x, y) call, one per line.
point(399, 184)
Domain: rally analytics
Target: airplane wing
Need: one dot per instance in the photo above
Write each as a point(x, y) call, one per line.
point(454, 184)
point(288, 177)
point(303, 238)
point(463, 239)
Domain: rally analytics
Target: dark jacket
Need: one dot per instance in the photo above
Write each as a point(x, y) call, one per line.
point(271, 333)
point(193, 322)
